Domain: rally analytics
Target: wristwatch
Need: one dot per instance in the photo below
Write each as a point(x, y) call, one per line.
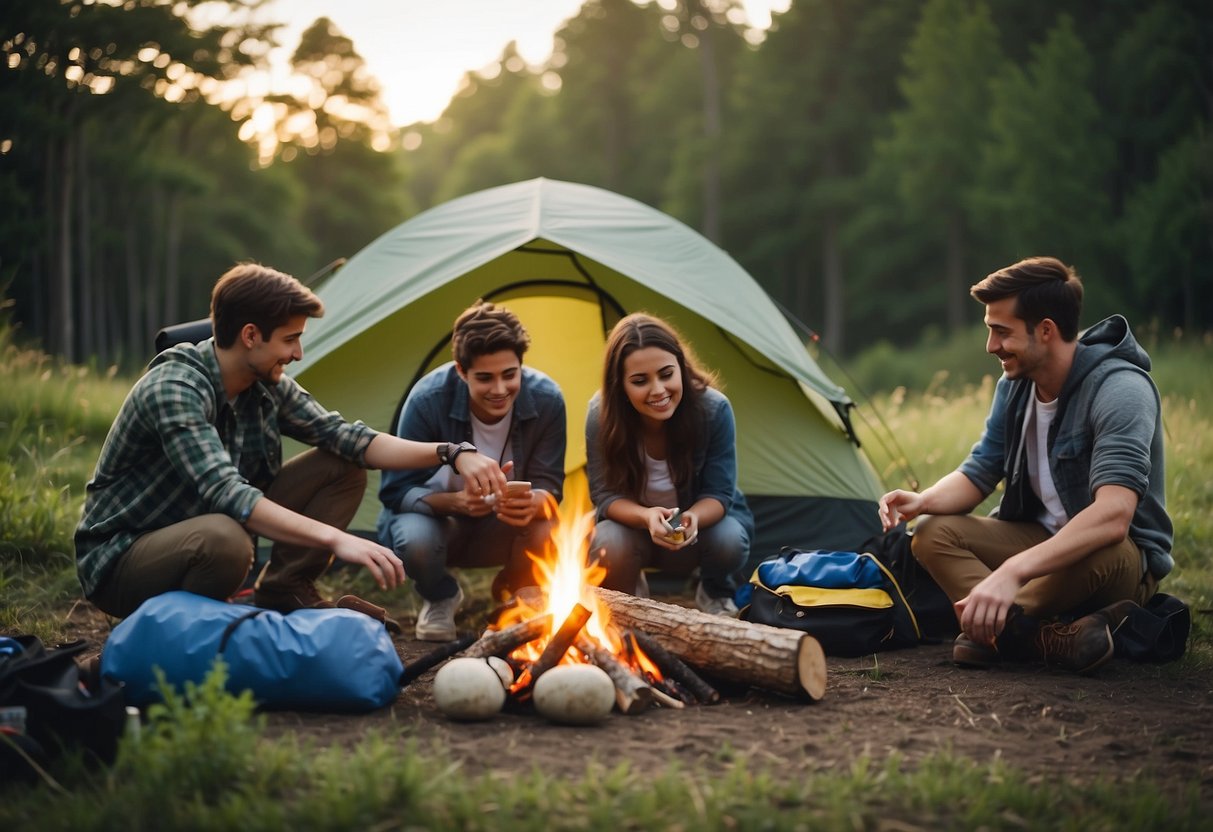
point(448, 452)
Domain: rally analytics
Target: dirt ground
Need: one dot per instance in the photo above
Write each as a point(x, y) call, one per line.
point(1124, 722)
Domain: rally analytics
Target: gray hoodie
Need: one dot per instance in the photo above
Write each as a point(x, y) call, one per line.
point(1108, 431)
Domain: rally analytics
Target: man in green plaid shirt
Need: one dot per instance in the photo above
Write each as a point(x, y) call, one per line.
point(192, 468)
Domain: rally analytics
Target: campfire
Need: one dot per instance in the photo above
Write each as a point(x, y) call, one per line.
point(653, 653)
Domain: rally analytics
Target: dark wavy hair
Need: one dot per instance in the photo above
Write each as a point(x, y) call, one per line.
point(483, 329)
point(620, 424)
point(250, 293)
point(1043, 287)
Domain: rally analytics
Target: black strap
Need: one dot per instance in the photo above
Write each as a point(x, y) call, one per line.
point(231, 627)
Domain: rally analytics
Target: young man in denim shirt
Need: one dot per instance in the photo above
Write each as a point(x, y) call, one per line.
point(488, 400)
point(1082, 531)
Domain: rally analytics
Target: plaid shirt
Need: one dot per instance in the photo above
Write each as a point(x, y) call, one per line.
point(178, 449)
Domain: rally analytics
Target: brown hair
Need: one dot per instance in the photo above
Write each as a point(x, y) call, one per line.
point(254, 294)
point(619, 436)
point(483, 329)
point(1043, 287)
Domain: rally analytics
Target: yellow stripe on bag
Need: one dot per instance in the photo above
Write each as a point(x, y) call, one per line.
point(813, 596)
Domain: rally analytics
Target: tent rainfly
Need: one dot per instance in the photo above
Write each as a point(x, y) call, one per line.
point(570, 260)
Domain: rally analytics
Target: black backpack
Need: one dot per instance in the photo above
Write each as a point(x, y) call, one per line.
point(932, 607)
point(60, 711)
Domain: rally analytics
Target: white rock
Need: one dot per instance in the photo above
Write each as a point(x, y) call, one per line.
point(503, 670)
point(467, 688)
point(575, 694)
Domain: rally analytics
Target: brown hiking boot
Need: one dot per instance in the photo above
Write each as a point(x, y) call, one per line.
point(353, 602)
point(1081, 646)
point(301, 596)
point(1115, 614)
point(969, 653)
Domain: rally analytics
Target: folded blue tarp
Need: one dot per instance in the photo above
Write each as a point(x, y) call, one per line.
point(328, 660)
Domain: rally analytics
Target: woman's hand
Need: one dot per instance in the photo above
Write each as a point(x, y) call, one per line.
point(657, 522)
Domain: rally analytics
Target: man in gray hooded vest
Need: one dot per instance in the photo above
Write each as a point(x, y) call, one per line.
point(1075, 432)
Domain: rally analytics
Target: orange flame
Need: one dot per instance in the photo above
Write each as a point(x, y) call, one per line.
point(567, 577)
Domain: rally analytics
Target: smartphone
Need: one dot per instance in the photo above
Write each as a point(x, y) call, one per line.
point(514, 488)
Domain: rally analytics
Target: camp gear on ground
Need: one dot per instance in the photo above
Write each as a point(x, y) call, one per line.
point(848, 601)
point(311, 659)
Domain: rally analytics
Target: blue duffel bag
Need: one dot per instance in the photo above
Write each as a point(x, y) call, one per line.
point(324, 660)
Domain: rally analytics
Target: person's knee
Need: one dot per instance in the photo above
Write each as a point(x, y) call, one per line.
point(928, 538)
point(223, 549)
point(613, 544)
point(413, 537)
point(726, 547)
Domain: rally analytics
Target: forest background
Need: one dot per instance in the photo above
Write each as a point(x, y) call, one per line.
point(865, 161)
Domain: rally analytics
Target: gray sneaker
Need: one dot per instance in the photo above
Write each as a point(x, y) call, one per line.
point(436, 621)
point(714, 606)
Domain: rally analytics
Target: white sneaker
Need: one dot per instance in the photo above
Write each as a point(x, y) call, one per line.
point(436, 621)
point(714, 606)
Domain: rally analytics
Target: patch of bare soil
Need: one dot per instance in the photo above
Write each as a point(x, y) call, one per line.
point(1126, 721)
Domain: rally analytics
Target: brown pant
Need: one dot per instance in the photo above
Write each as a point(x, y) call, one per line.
point(211, 554)
point(961, 550)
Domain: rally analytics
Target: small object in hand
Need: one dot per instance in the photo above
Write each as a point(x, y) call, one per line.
point(673, 523)
point(516, 488)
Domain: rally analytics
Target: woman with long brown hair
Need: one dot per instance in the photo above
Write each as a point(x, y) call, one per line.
point(662, 465)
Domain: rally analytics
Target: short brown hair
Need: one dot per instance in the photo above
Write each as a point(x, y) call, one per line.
point(1043, 287)
point(254, 294)
point(483, 329)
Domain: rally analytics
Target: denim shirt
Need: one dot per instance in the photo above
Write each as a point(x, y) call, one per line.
point(714, 463)
point(438, 409)
point(1108, 431)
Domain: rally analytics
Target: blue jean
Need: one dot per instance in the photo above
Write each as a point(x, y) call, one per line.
point(428, 545)
point(720, 554)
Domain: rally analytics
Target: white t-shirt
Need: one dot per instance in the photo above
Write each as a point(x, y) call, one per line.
point(490, 440)
point(1036, 436)
point(659, 487)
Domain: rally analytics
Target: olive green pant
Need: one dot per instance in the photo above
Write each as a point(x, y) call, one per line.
point(211, 554)
point(960, 551)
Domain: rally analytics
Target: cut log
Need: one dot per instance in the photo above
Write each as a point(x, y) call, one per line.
point(502, 642)
point(778, 659)
point(632, 693)
point(675, 668)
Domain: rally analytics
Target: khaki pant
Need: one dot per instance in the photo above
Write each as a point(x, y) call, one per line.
point(211, 554)
point(961, 550)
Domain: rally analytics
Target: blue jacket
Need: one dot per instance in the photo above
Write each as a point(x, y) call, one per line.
point(715, 463)
point(1108, 431)
point(438, 409)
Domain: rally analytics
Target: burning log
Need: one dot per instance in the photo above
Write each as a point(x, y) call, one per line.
point(501, 642)
point(672, 666)
point(783, 660)
point(632, 693)
point(556, 647)
point(434, 658)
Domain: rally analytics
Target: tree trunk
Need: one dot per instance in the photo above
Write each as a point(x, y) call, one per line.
point(955, 277)
point(62, 329)
point(774, 658)
point(711, 127)
point(133, 295)
point(831, 267)
point(88, 296)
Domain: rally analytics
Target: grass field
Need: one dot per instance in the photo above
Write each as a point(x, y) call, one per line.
point(209, 766)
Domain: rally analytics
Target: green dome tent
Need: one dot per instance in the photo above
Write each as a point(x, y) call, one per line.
point(570, 260)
